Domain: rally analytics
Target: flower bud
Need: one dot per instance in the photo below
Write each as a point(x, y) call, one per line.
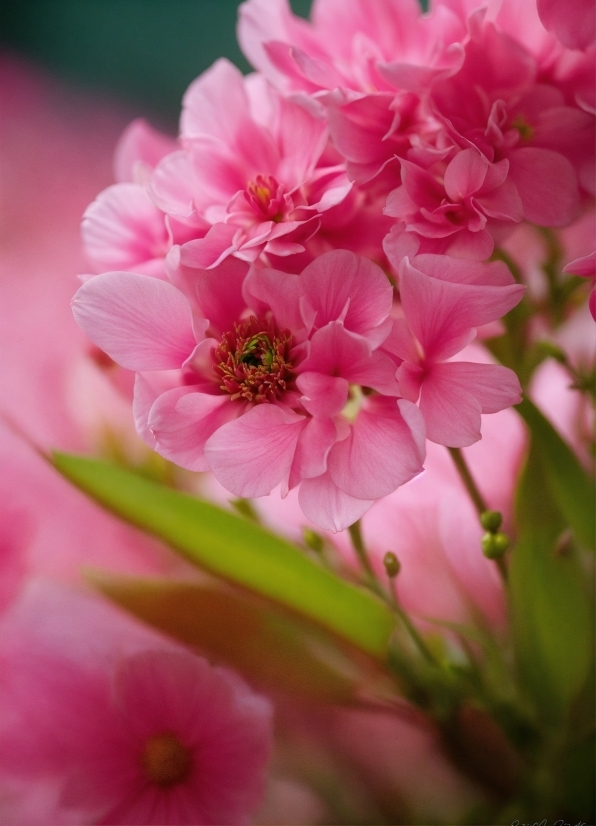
point(392, 564)
point(491, 520)
point(494, 545)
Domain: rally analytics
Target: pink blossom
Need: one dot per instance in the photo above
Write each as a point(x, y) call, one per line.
point(349, 44)
point(249, 178)
point(138, 732)
point(497, 103)
point(255, 384)
point(443, 301)
point(586, 267)
point(452, 207)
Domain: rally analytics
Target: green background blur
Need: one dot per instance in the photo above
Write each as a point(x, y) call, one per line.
point(144, 52)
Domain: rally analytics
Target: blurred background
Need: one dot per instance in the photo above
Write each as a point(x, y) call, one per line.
point(142, 52)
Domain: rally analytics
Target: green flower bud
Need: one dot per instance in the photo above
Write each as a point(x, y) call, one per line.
point(494, 545)
point(392, 564)
point(491, 521)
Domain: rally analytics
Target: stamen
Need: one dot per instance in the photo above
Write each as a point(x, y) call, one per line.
point(253, 361)
point(166, 761)
point(265, 195)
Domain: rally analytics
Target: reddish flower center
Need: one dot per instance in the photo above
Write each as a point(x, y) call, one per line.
point(253, 361)
point(165, 760)
point(526, 132)
point(266, 197)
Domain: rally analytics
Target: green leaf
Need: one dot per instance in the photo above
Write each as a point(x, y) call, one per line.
point(235, 550)
point(552, 610)
point(272, 650)
point(570, 487)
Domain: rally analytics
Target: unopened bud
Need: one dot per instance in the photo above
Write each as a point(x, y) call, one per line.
point(392, 564)
point(313, 540)
point(491, 521)
point(494, 545)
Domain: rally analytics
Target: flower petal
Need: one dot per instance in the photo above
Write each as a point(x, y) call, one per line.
point(254, 453)
point(329, 507)
point(142, 323)
point(380, 454)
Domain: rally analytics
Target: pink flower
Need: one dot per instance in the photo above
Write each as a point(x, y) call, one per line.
point(255, 385)
point(443, 301)
point(451, 208)
point(248, 179)
point(350, 44)
point(152, 735)
point(586, 267)
point(497, 103)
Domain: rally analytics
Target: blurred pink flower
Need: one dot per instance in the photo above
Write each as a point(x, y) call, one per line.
point(586, 267)
point(140, 732)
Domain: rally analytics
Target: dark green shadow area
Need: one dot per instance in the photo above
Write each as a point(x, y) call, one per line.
point(144, 52)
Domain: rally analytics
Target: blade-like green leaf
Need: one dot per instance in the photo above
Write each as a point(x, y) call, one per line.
point(272, 650)
point(236, 550)
point(552, 610)
point(572, 489)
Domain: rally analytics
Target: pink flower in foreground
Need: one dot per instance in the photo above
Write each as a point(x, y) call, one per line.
point(155, 735)
point(260, 384)
point(451, 208)
point(443, 301)
point(586, 267)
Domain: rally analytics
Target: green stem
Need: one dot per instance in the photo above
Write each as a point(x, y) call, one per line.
point(467, 479)
point(411, 628)
point(359, 547)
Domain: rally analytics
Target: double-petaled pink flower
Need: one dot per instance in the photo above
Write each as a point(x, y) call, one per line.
point(258, 378)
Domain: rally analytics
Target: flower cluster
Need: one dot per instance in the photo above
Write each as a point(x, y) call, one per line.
point(293, 277)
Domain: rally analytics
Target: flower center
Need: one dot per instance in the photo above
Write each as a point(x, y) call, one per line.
point(253, 361)
point(526, 132)
point(266, 197)
point(165, 760)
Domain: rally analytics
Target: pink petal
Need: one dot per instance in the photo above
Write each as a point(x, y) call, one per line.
point(301, 140)
point(202, 109)
point(462, 271)
point(465, 174)
point(148, 388)
point(335, 351)
point(547, 185)
point(316, 440)
point(586, 266)
point(142, 323)
point(442, 314)
point(219, 293)
point(573, 22)
point(502, 203)
point(455, 394)
point(477, 246)
point(324, 395)
point(340, 279)
point(122, 229)
point(140, 146)
point(207, 252)
point(173, 186)
point(379, 455)
point(277, 291)
point(182, 420)
point(329, 507)
point(254, 453)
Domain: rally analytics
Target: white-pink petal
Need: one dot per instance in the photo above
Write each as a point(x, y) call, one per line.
point(328, 506)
